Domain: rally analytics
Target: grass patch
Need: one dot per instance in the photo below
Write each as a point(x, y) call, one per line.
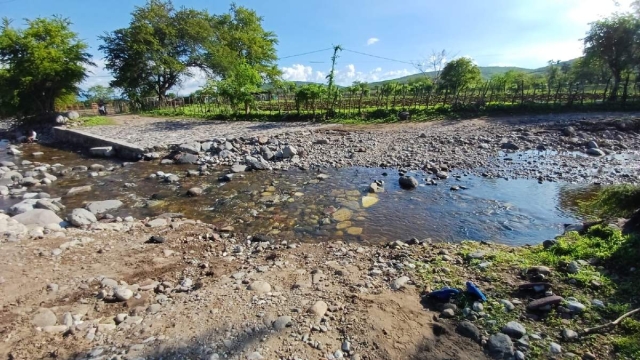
point(614, 201)
point(606, 277)
point(95, 121)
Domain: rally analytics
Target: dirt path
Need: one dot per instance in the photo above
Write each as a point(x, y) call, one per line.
point(215, 313)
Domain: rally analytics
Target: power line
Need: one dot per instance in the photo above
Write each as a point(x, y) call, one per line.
point(307, 53)
point(379, 57)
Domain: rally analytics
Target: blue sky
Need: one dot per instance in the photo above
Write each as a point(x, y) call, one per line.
point(525, 33)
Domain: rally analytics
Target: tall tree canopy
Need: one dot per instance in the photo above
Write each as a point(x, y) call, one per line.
point(163, 45)
point(614, 41)
point(459, 74)
point(39, 64)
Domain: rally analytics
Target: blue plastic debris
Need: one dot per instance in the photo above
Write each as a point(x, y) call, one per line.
point(444, 294)
point(473, 290)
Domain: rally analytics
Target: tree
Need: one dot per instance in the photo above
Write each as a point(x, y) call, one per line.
point(460, 74)
point(163, 45)
point(100, 92)
point(614, 41)
point(240, 86)
point(160, 46)
point(40, 64)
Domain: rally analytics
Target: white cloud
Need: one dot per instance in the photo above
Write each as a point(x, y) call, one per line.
point(190, 84)
point(97, 75)
point(372, 41)
point(297, 72)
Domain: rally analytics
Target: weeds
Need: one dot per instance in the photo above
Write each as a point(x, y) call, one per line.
point(95, 121)
point(614, 201)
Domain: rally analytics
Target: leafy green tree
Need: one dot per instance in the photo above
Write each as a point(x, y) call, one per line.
point(162, 45)
point(614, 41)
point(240, 86)
point(310, 95)
point(39, 64)
point(100, 92)
point(240, 37)
point(460, 74)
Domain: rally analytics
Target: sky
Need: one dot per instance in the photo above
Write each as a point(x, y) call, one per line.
point(399, 34)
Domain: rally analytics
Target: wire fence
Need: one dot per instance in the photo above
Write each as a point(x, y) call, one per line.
point(378, 102)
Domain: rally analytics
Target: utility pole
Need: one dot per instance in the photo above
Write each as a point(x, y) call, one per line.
point(330, 77)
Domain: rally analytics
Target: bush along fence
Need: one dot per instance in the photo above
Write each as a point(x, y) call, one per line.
point(391, 101)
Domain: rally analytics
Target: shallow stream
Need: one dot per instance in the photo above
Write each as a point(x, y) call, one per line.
point(296, 204)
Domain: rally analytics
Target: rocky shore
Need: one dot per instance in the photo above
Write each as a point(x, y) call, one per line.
point(81, 283)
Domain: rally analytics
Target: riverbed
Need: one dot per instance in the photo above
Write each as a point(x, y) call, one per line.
point(322, 204)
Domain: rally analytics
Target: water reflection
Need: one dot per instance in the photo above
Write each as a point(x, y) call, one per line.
point(296, 204)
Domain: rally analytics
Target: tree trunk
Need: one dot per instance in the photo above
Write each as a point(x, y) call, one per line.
point(613, 95)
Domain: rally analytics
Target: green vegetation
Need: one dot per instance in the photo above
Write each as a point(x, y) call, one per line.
point(95, 121)
point(39, 65)
point(614, 201)
point(607, 272)
point(162, 45)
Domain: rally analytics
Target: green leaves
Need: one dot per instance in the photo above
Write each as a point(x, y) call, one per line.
point(43, 62)
point(614, 41)
point(162, 45)
point(459, 74)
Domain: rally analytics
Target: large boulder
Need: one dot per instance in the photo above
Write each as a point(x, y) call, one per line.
point(190, 148)
point(40, 217)
point(81, 217)
point(289, 151)
point(186, 158)
point(257, 163)
point(10, 228)
point(72, 115)
point(102, 207)
point(22, 207)
point(408, 182)
point(500, 346)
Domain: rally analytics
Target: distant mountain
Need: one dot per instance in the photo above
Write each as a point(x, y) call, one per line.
point(486, 72)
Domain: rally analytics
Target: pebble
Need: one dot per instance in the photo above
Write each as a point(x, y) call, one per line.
point(569, 335)
point(123, 293)
point(448, 313)
point(282, 322)
point(260, 287)
point(318, 309)
point(508, 306)
point(555, 349)
point(399, 283)
point(514, 329)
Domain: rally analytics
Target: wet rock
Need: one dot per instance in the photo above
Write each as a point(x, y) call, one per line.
point(514, 329)
point(257, 163)
point(509, 146)
point(548, 243)
point(576, 307)
point(592, 145)
point(238, 168)
point(44, 317)
point(468, 330)
point(408, 182)
point(368, 201)
point(282, 322)
point(41, 217)
point(81, 217)
point(172, 178)
point(22, 207)
point(321, 142)
point(102, 207)
point(262, 238)
point(259, 287)
point(595, 152)
point(500, 346)
point(342, 214)
point(79, 190)
point(195, 191)
point(102, 151)
point(186, 158)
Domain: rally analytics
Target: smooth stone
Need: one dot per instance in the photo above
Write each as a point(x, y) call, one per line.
point(260, 287)
point(101, 207)
point(469, 330)
point(368, 201)
point(44, 317)
point(123, 293)
point(40, 217)
point(318, 309)
point(79, 190)
point(81, 217)
point(399, 283)
point(500, 346)
point(514, 329)
point(282, 322)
